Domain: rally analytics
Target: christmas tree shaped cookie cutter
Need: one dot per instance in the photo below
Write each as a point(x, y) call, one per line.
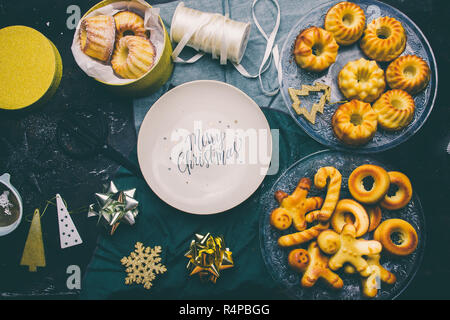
point(316, 107)
point(68, 233)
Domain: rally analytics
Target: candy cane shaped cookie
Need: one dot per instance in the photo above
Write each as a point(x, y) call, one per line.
point(358, 215)
point(334, 189)
point(302, 236)
point(312, 216)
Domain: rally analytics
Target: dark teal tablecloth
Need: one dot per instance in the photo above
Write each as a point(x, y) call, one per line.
point(160, 224)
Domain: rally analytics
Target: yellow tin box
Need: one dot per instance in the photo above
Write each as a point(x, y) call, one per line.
point(155, 77)
point(30, 68)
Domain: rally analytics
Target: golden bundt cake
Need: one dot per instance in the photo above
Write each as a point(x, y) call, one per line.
point(384, 39)
point(395, 109)
point(410, 73)
point(361, 79)
point(133, 57)
point(315, 49)
point(354, 123)
point(346, 21)
point(97, 36)
point(129, 24)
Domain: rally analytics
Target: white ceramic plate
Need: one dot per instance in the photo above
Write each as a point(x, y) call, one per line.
point(204, 147)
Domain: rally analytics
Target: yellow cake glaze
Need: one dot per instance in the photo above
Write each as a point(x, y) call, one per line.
point(133, 57)
point(346, 21)
point(361, 79)
point(410, 73)
point(30, 68)
point(97, 36)
point(354, 123)
point(395, 109)
point(129, 23)
point(315, 49)
point(384, 39)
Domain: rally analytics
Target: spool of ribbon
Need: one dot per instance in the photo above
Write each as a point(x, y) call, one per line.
point(213, 33)
point(224, 38)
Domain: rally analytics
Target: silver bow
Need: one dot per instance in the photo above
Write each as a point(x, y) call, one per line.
point(115, 206)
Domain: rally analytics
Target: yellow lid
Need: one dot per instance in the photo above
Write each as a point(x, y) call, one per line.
point(28, 67)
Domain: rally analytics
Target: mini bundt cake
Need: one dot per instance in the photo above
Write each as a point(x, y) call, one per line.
point(346, 21)
point(354, 123)
point(133, 57)
point(410, 73)
point(315, 49)
point(361, 79)
point(384, 39)
point(395, 109)
point(97, 36)
point(129, 24)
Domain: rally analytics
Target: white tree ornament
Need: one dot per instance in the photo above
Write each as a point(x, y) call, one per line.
point(68, 234)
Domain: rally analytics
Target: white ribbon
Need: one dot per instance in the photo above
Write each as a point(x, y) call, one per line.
point(206, 32)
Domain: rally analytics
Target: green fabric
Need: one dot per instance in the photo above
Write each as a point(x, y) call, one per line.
point(160, 224)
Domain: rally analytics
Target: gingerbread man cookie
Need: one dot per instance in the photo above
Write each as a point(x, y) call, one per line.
point(345, 248)
point(294, 207)
point(314, 265)
point(371, 284)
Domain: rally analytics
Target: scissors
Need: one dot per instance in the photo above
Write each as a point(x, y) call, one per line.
point(83, 133)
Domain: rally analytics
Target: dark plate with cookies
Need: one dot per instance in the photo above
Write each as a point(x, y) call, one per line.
point(340, 226)
point(358, 76)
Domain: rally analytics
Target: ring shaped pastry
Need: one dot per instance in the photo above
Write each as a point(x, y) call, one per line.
point(379, 188)
point(409, 72)
point(395, 109)
point(362, 80)
point(354, 123)
point(359, 216)
point(133, 57)
point(402, 196)
point(375, 215)
point(397, 236)
point(384, 39)
point(346, 21)
point(129, 24)
point(315, 49)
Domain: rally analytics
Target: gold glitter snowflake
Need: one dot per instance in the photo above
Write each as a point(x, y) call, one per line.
point(143, 264)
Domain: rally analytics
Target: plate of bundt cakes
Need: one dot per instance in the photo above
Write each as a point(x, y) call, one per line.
point(338, 225)
point(379, 70)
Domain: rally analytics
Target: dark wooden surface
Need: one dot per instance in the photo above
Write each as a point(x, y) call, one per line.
point(39, 170)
